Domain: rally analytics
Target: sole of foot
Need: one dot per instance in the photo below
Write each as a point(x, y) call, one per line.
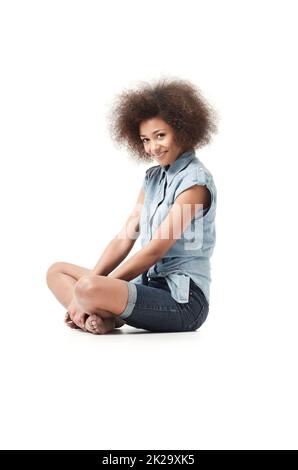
point(99, 326)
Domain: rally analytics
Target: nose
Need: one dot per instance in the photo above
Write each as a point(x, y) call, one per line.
point(155, 149)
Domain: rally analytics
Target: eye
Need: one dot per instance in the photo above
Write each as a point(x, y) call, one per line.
point(161, 134)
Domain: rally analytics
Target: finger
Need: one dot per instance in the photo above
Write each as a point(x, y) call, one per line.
point(72, 315)
point(72, 325)
point(67, 317)
point(80, 320)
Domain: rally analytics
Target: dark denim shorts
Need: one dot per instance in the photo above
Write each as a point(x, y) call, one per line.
point(151, 307)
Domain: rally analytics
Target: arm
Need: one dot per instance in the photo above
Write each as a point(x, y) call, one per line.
point(137, 264)
point(173, 226)
point(118, 248)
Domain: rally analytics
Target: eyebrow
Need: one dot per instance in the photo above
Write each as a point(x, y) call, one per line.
point(154, 132)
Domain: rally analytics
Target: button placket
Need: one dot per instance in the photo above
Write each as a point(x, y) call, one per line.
point(160, 199)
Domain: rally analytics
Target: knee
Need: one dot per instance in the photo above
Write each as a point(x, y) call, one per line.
point(84, 286)
point(54, 269)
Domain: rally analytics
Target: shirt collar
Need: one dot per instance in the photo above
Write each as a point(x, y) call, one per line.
point(178, 165)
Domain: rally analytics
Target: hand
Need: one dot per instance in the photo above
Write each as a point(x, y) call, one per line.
point(75, 316)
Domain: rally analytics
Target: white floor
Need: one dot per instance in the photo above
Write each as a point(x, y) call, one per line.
point(231, 384)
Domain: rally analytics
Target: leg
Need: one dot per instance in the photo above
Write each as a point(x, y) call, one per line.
point(101, 293)
point(61, 279)
point(156, 310)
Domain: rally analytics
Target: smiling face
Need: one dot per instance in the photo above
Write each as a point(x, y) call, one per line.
point(159, 141)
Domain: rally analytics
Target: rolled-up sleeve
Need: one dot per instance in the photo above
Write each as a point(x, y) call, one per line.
point(196, 177)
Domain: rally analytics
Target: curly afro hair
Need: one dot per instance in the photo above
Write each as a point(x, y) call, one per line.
point(178, 102)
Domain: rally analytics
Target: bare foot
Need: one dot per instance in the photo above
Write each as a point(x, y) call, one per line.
point(68, 321)
point(99, 326)
point(119, 322)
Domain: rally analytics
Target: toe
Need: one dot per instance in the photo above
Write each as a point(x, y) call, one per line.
point(98, 324)
point(88, 325)
point(91, 324)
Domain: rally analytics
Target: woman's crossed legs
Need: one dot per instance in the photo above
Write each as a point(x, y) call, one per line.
point(102, 298)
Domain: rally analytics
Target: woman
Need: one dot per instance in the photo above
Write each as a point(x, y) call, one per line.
point(165, 285)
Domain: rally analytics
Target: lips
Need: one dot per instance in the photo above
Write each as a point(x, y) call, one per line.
point(161, 155)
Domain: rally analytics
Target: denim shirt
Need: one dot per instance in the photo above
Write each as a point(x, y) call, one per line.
point(189, 256)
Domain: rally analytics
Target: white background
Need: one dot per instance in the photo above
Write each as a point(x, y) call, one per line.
point(66, 190)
